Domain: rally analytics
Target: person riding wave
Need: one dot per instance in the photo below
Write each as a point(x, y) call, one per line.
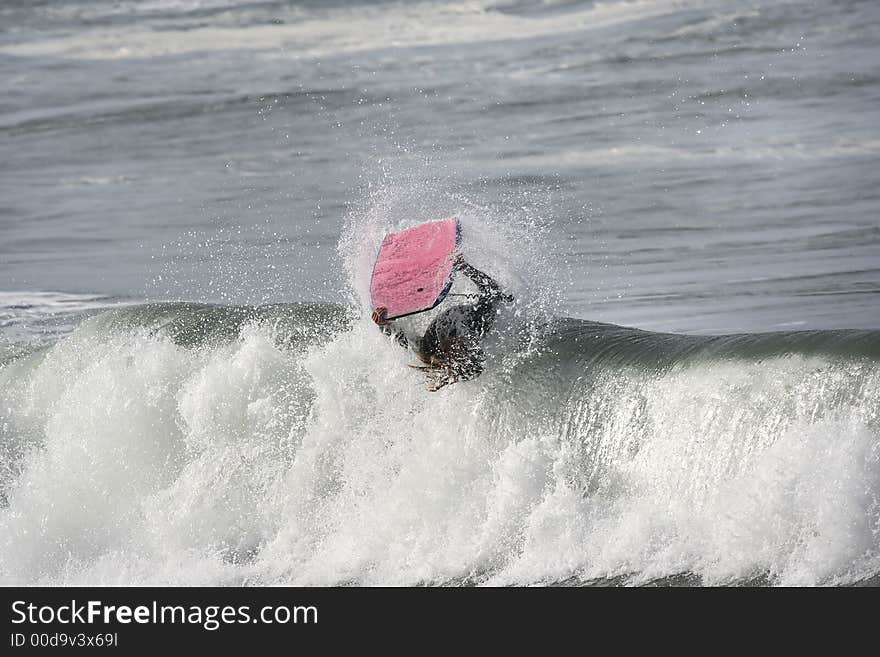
point(450, 348)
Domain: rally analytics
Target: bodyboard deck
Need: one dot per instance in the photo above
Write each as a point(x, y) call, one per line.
point(413, 271)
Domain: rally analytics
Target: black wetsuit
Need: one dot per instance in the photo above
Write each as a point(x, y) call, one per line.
point(452, 341)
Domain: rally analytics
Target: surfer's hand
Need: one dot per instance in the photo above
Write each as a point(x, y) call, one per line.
point(379, 315)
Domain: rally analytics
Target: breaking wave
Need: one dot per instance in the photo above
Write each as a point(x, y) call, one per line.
point(197, 444)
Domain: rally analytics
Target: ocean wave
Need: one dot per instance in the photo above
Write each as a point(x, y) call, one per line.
point(198, 444)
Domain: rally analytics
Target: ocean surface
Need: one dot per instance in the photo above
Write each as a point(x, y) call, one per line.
point(682, 196)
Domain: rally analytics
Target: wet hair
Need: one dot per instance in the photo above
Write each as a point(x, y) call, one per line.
point(456, 358)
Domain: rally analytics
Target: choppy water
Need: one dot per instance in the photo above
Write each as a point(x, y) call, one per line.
point(703, 172)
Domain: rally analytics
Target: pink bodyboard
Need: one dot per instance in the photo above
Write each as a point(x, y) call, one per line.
point(413, 271)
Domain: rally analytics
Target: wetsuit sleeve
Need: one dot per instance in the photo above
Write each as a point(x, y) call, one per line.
point(488, 287)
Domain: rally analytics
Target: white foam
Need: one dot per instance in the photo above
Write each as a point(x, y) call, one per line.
point(728, 471)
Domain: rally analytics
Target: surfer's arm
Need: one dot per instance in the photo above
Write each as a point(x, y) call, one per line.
point(385, 326)
point(488, 287)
